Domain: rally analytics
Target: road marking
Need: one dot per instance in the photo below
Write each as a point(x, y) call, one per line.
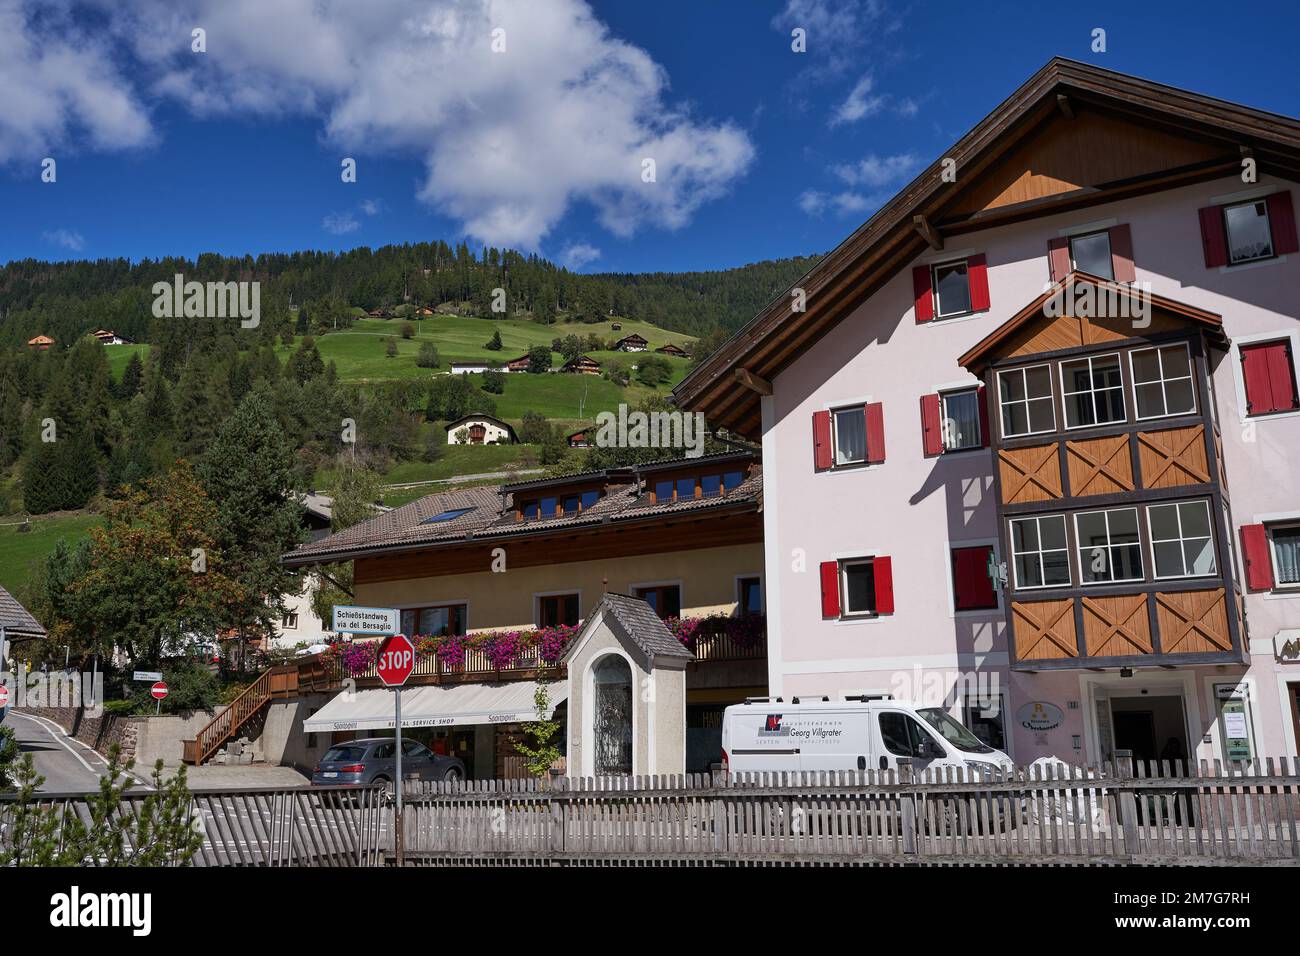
point(62, 738)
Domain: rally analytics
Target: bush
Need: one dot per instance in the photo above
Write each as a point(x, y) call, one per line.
point(408, 330)
point(494, 381)
point(653, 371)
point(190, 686)
point(428, 357)
point(390, 347)
point(534, 430)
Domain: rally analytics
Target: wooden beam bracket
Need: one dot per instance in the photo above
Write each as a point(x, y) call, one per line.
point(1065, 106)
point(927, 231)
point(754, 383)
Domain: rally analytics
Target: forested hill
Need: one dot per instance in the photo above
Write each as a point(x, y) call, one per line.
point(67, 299)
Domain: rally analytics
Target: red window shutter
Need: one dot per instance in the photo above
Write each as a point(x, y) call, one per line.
point(1212, 237)
point(923, 293)
point(822, 457)
point(1121, 253)
point(981, 395)
point(1281, 218)
point(875, 433)
point(1058, 257)
point(1255, 556)
point(1281, 376)
point(1269, 375)
point(882, 570)
point(977, 274)
point(931, 425)
point(830, 574)
point(972, 588)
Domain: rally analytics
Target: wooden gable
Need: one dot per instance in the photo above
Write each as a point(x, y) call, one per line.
point(1084, 311)
point(1091, 150)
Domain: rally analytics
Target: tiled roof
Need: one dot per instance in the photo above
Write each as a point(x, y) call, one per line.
point(635, 622)
point(403, 528)
point(16, 619)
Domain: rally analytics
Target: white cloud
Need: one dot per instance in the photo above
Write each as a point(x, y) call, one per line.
point(62, 88)
point(372, 207)
point(815, 202)
point(877, 171)
point(510, 141)
point(340, 223)
point(837, 30)
point(859, 104)
point(67, 238)
point(579, 254)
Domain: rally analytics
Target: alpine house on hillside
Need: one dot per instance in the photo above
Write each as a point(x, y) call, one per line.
point(1033, 447)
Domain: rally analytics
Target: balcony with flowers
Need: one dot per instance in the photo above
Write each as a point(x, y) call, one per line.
point(522, 654)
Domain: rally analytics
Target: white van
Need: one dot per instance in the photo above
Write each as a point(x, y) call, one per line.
point(765, 735)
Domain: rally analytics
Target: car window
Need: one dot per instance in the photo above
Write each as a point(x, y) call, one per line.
point(385, 751)
point(413, 748)
point(343, 753)
point(902, 735)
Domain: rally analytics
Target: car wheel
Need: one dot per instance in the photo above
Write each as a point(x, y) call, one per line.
point(453, 775)
point(385, 783)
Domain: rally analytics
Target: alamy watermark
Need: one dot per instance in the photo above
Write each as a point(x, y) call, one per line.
point(637, 429)
point(1086, 300)
point(208, 300)
point(981, 690)
point(56, 689)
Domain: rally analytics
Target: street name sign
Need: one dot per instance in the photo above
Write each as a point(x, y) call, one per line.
point(365, 620)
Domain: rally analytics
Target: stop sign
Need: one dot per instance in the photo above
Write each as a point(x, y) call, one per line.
point(158, 690)
point(396, 660)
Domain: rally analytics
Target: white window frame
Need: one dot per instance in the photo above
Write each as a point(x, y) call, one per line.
point(1151, 538)
point(1092, 392)
point(944, 419)
point(1078, 548)
point(1134, 383)
point(1051, 395)
point(1269, 528)
point(1074, 265)
point(1227, 233)
point(1011, 544)
point(963, 261)
point(835, 428)
point(845, 613)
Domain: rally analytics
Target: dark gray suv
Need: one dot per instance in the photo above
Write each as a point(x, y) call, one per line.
point(372, 762)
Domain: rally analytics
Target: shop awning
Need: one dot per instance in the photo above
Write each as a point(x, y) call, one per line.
point(439, 705)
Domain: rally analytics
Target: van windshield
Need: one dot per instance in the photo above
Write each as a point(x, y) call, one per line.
point(953, 732)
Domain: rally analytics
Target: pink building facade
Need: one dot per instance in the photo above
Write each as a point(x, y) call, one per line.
point(878, 526)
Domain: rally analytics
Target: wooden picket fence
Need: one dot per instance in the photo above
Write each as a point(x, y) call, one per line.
point(318, 826)
point(1151, 814)
point(1244, 814)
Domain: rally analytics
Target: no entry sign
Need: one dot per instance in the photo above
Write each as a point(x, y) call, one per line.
point(158, 690)
point(4, 696)
point(396, 660)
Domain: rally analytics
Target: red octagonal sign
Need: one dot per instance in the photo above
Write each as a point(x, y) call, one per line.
point(396, 660)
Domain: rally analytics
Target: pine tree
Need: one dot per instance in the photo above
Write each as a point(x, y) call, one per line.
point(248, 474)
point(132, 377)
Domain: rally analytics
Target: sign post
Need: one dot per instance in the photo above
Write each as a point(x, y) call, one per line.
point(394, 665)
point(158, 691)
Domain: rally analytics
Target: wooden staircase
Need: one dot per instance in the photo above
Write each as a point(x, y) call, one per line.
point(273, 683)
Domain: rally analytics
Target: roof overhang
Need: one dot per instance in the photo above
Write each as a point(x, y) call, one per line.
point(727, 386)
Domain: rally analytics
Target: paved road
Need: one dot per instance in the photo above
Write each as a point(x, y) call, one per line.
point(67, 764)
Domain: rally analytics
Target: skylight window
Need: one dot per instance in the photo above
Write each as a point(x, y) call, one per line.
point(449, 515)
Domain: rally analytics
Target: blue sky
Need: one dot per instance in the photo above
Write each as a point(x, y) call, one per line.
point(761, 152)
